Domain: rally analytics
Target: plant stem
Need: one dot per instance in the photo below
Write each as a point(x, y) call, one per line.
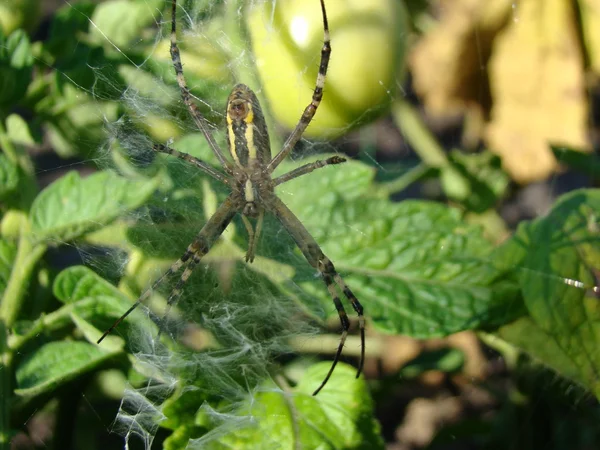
point(27, 257)
point(328, 343)
point(6, 145)
point(424, 144)
point(410, 177)
point(5, 388)
point(509, 352)
point(432, 154)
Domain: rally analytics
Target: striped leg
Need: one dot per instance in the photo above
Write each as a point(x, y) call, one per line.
point(307, 168)
point(178, 289)
point(172, 270)
point(159, 148)
point(187, 97)
point(313, 254)
point(192, 256)
point(361, 318)
point(311, 109)
point(343, 318)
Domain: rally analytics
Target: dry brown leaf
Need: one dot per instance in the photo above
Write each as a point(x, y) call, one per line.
point(537, 85)
point(447, 62)
point(424, 417)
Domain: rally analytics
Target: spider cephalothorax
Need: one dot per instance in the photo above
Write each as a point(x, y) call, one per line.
point(252, 188)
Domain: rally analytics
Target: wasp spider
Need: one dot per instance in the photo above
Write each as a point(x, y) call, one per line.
point(252, 187)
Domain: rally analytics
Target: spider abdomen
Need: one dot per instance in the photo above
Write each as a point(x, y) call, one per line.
point(247, 134)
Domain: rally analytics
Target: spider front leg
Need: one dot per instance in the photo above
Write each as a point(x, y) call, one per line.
point(209, 233)
point(159, 148)
point(307, 168)
point(311, 109)
point(186, 95)
point(316, 258)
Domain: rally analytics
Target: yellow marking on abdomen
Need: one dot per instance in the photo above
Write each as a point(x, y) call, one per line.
point(249, 191)
point(231, 134)
point(249, 119)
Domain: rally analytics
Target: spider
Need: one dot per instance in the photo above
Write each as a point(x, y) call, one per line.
point(252, 188)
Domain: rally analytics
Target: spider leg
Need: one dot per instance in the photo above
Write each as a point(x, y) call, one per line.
point(159, 148)
point(178, 289)
point(192, 256)
point(314, 255)
point(199, 119)
point(311, 109)
point(361, 318)
point(343, 320)
point(253, 234)
point(172, 270)
point(307, 168)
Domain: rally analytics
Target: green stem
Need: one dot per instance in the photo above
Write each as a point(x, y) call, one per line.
point(27, 257)
point(5, 388)
point(410, 177)
point(420, 138)
point(432, 154)
point(329, 342)
point(509, 352)
point(6, 144)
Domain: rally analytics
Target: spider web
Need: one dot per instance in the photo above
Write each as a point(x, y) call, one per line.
point(233, 319)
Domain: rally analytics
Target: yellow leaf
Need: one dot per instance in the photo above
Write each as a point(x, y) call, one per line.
point(446, 63)
point(537, 86)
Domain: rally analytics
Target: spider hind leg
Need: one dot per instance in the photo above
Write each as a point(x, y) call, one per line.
point(331, 278)
point(345, 327)
point(200, 246)
point(316, 258)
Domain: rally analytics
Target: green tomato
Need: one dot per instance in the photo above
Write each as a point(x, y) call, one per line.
point(368, 40)
point(15, 14)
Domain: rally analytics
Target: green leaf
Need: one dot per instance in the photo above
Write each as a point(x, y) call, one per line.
point(416, 266)
point(91, 333)
point(122, 21)
point(486, 179)
point(349, 181)
point(18, 130)
point(68, 22)
point(78, 282)
point(71, 206)
point(17, 50)
point(9, 176)
point(180, 437)
point(580, 160)
point(8, 253)
point(55, 364)
point(16, 61)
point(83, 64)
point(552, 257)
point(77, 122)
point(176, 217)
point(181, 409)
point(340, 417)
point(95, 300)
